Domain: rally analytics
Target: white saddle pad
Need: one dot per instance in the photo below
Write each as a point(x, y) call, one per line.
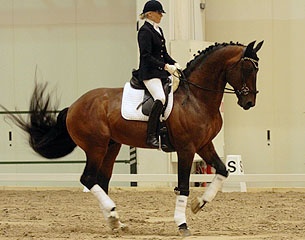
point(131, 100)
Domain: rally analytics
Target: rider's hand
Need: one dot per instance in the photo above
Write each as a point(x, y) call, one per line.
point(170, 68)
point(178, 66)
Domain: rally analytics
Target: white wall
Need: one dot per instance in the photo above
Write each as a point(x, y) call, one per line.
point(280, 103)
point(77, 45)
point(83, 44)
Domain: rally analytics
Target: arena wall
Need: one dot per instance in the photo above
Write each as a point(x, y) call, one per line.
point(280, 102)
point(78, 45)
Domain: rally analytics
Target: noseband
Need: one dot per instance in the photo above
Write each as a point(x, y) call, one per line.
point(244, 89)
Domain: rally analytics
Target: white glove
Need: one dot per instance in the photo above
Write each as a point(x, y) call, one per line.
point(170, 68)
point(178, 66)
point(175, 81)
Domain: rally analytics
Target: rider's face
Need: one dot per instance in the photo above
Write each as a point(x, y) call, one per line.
point(155, 16)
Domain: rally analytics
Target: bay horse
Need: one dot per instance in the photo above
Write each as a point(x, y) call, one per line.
point(94, 123)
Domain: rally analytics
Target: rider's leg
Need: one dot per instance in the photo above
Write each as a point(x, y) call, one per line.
point(155, 88)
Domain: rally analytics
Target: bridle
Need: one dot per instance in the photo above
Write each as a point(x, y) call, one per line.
point(244, 89)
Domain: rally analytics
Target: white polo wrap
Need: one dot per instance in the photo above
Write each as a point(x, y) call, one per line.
point(179, 216)
point(213, 188)
point(105, 202)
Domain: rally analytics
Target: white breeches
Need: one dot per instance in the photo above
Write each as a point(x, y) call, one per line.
point(155, 88)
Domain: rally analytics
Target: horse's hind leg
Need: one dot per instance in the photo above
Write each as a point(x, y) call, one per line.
point(105, 169)
point(96, 179)
point(209, 155)
point(103, 178)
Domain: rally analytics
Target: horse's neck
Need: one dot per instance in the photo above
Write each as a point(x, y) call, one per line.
point(210, 92)
point(209, 76)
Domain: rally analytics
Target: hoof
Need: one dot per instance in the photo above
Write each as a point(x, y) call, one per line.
point(114, 222)
point(197, 204)
point(121, 227)
point(184, 231)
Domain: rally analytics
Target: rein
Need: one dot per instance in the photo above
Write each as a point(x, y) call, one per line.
point(184, 79)
point(243, 91)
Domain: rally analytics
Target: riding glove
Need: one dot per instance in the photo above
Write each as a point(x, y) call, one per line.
point(170, 68)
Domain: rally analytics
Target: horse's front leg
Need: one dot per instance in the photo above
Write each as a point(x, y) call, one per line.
point(182, 191)
point(210, 156)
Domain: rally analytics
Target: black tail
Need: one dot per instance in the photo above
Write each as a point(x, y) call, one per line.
point(48, 135)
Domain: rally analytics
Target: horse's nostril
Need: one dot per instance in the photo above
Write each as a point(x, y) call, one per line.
point(249, 105)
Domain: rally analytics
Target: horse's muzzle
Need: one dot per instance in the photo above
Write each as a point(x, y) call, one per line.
point(246, 102)
point(248, 105)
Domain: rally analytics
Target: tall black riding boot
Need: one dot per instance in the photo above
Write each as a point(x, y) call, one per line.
point(152, 125)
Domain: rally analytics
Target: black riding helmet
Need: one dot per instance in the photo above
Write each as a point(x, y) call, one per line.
point(153, 6)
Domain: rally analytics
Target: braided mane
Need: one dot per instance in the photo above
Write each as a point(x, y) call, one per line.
point(204, 53)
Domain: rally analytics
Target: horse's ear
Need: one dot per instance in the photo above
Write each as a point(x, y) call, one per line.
point(249, 49)
point(258, 46)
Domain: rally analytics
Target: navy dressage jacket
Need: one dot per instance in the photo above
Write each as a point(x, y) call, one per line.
point(153, 53)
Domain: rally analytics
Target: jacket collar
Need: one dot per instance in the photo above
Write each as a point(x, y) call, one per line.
point(155, 25)
point(150, 24)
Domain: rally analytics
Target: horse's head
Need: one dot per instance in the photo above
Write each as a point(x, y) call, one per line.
point(242, 76)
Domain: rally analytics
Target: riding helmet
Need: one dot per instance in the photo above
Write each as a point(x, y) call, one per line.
point(153, 6)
